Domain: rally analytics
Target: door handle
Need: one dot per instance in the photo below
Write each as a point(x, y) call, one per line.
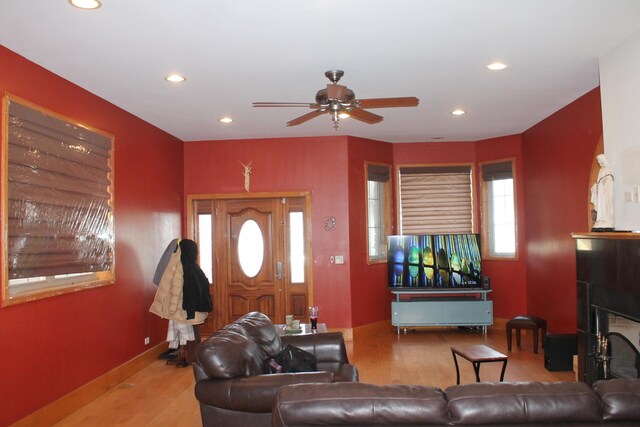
point(279, 270)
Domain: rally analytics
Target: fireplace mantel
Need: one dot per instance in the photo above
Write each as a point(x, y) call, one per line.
point(608, 281)
point(623, 235)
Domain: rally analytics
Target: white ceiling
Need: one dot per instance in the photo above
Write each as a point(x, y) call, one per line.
point(239, 51)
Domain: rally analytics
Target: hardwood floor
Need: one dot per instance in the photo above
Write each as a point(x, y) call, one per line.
point(162, 395)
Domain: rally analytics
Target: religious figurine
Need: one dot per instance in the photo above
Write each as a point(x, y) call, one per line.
point(602, 196)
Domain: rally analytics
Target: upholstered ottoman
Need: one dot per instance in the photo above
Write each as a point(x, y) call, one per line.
point(532, 323)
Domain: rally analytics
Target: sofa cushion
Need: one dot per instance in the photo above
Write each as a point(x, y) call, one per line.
point(359, 404)
point(525, 402)
point(620, 399)
point(261, 330)
point(229, 353)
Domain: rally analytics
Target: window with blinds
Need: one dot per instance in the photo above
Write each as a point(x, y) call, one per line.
point(58, 206)
point(379, 211)
point(498, 207)
point(436, 200)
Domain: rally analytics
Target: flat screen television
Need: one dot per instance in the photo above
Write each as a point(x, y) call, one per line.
point(439, 261)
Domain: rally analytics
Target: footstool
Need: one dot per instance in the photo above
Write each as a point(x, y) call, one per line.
point(532, 323)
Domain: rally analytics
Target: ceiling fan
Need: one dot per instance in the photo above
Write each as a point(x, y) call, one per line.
point(340, 102)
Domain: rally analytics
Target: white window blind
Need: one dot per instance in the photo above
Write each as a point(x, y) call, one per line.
point(436, 200)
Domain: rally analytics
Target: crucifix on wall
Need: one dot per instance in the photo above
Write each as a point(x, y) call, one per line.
point(247, 174)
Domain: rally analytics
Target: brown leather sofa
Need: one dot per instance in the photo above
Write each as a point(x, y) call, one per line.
point(609, 403)
point(232, 385)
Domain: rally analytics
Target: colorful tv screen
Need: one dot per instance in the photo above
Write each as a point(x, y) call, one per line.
point(440, 261)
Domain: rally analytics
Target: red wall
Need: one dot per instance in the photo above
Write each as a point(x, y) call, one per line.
point(52, 346)
point(558, 153)
point(413, 153)
point(508, 277)
point(371, 297)
point(318, 165)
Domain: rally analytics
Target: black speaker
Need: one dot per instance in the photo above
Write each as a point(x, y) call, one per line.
point(486, 282)
point(559, 350)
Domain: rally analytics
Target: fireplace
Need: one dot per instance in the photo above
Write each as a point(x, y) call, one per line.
point(617, 346)
point(608, 312)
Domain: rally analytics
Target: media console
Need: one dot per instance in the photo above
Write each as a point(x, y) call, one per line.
point(429, 307)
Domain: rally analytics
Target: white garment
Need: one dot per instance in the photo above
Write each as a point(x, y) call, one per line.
point(179, 333)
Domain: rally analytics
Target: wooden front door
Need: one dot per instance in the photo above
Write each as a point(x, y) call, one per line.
point(251, 258)
point(256, 258)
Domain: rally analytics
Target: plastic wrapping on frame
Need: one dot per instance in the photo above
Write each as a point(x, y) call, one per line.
point(60, 213)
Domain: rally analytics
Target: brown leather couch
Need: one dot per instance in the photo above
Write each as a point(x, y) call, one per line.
point(232, 385)
point(609, 403)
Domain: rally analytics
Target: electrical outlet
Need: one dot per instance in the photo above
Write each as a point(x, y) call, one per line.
point(147, 341)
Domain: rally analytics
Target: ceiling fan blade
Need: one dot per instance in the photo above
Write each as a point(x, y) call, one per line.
point(304, 118)
point(365, 116)
point(284, 104)
point(408, 101)
point(337, 92)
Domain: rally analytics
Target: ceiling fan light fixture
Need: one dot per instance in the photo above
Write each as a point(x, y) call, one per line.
point(497, 66)
point(85, 4)
point(340, 102)
point(175, 78)
point(458, 112)
point(225, 120)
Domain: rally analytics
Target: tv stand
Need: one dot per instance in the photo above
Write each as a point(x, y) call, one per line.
point(441, 307)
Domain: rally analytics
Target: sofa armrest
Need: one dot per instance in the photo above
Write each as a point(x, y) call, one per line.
point(326, 347)
point(254, 393)
point(620, 399)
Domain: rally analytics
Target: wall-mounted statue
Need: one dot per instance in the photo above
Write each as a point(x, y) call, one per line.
point(602, 196)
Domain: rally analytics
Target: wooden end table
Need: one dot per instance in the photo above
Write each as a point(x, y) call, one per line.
point(478, 354)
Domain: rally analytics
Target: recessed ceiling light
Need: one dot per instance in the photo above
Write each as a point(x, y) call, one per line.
point(175, 78)
point(225, 120)
point(497, 66)
point(86, 4)
point(437, 138)
point(458, 112)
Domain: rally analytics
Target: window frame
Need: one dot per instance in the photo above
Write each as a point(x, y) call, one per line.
point(25, 289)
point(386, 222)
point(487, 227)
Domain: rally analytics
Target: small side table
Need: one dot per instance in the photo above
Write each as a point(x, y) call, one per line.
point(478, 354)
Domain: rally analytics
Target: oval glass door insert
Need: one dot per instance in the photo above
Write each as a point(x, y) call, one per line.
point(250, 248)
